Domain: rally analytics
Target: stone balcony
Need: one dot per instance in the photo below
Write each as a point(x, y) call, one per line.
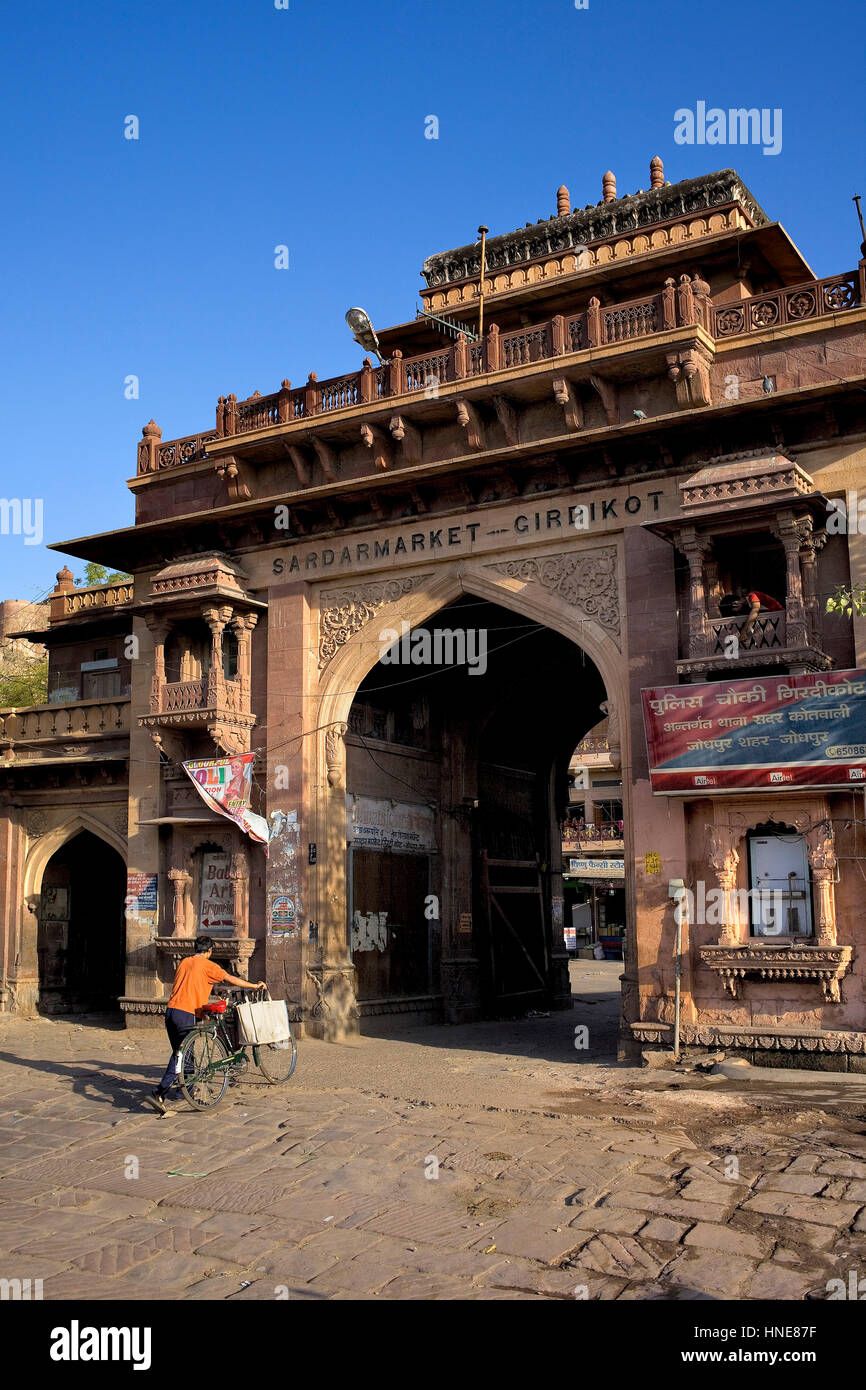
point(765, 645)
point(79, 730)
point(213, 704)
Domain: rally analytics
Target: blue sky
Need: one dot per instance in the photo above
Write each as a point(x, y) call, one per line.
point(305, 127)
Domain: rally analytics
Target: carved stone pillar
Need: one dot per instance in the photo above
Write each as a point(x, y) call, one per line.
point(239, 875)
point(669, 304)
point(242, 626)
point(593, 323)
point(181, 881)
point(216, 619)
point(159, 629)
point(822, 859)
point(694, 546)
point(714, 588)
point(811, 543)
point(685, 301)
point(787, 531)
point(702, 301)
point(724, 859)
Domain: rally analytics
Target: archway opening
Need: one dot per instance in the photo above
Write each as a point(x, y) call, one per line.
point(593, 847)
point(458, 747)
point(81, 929)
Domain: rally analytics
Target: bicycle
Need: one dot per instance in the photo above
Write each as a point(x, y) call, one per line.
point(211, 1057)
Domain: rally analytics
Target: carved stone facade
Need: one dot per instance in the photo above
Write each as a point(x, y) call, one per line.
point(586, 579)
point(344, 612)
point(570, 477)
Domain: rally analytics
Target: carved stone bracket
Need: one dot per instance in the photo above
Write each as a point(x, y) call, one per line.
point(470, 421)
point(586, 579)
point(508, 418)
point(689, 370)
point(345, 611)
point(409, 436)
point(236, 477)
point(824, 964)
point(608, 392)
point(566, 397)
point(335, 754)
point(380, 446)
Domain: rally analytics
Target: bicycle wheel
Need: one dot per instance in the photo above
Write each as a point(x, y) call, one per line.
point(276, 1061)
point(202, 1086)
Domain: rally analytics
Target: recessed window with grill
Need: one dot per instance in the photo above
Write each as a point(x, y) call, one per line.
point(780, 883)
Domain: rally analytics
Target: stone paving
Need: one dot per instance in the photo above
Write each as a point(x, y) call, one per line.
point(323, 1190)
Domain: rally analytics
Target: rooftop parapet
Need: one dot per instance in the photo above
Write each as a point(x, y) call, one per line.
point(612, 217)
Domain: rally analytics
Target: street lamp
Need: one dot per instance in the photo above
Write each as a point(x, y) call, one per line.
point(364, 333)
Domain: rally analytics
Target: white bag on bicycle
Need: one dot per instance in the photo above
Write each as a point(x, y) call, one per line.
point(265, 1022)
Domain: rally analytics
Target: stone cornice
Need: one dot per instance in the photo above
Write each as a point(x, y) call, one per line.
point(629, 214)
point(765, 1039)
point(787, 963)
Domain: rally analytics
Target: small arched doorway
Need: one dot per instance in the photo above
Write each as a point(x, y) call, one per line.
point(80, 939)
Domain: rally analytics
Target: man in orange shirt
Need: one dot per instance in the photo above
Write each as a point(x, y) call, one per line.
point(191, 989)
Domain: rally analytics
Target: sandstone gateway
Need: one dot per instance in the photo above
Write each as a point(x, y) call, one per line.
point(661, 403)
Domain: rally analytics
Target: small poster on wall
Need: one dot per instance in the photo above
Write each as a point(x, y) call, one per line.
point(216, 916)
point(281, 914)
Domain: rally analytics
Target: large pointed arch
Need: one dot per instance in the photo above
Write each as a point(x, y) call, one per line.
point(47, 845)
point(358, 655)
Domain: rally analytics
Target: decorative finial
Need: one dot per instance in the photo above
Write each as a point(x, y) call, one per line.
point(65, 579)
point(563, 201)
point(608, 187)
point(657, 172)
point(151, 430)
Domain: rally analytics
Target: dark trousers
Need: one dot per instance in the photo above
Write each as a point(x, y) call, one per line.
point(177, 1025)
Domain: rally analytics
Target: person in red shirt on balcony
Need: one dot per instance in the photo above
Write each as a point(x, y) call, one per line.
point(757, 601)
point(191, 989)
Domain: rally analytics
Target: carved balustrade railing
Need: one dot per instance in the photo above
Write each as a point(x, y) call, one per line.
point(807, 301)
point(339, 394)
point(630, 320)
point(679, 304)
point(768, 631)
point(85, 600)
point(423, 372)
point(78, 719)
point(601, 835)
point(529, 345)
point(185, 697)
point(592, 746)
point(181, 696)
point(154, 455)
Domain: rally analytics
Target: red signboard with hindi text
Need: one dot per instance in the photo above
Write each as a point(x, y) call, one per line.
point(767, 731)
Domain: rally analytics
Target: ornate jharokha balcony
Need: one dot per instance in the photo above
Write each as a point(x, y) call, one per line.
point(767, 634)
point(81, 729)
point(679, 304)
point(213, 703)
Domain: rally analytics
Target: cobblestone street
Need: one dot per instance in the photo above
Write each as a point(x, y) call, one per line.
point(487, 1162)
